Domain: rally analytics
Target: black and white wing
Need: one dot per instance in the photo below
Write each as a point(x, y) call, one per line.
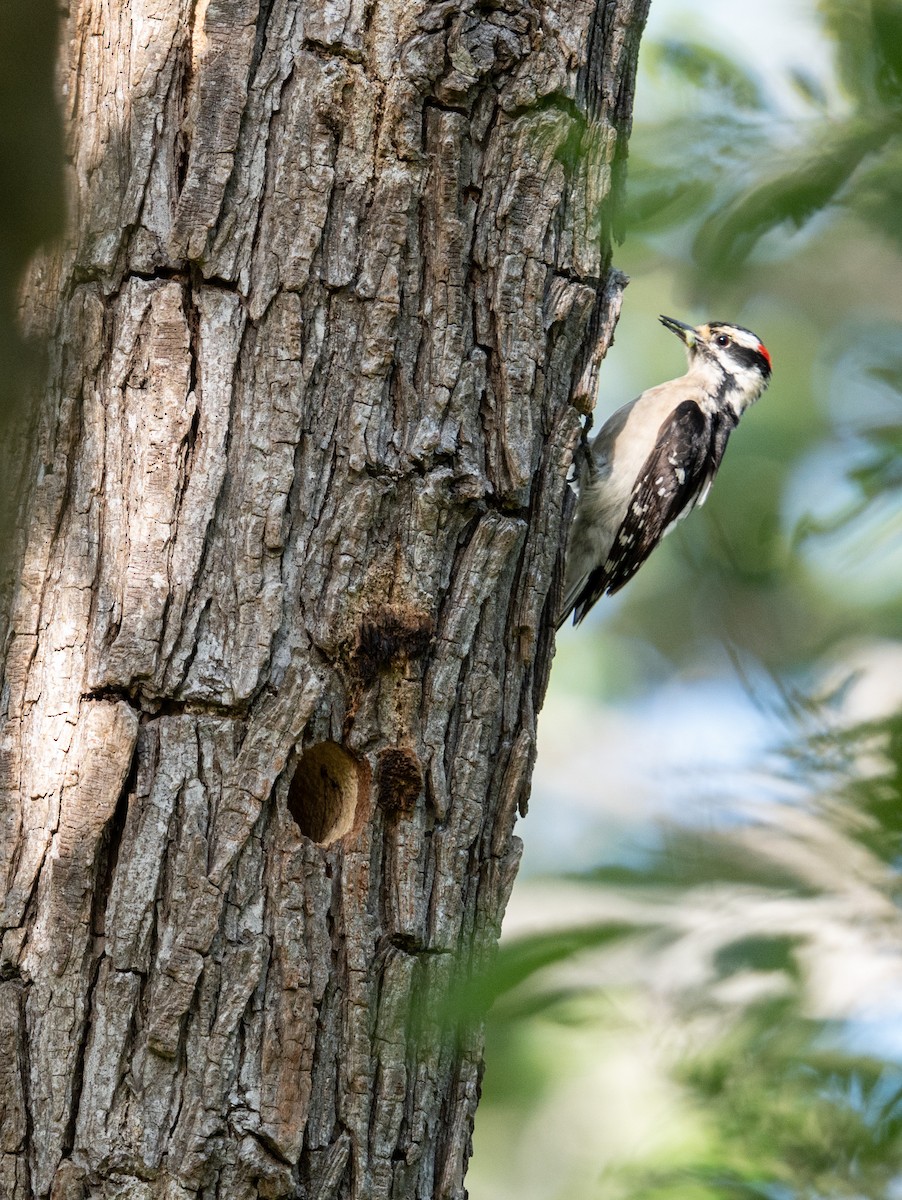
point(674, 478)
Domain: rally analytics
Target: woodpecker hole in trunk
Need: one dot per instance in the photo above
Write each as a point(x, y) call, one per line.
point(325, 792)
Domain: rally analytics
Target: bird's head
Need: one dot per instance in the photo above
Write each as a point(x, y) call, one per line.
point(737, 352)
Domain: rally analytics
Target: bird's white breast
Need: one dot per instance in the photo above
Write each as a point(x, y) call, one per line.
point(622, 457)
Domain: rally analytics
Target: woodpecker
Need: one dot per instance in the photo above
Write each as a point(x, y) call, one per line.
point(656, 458)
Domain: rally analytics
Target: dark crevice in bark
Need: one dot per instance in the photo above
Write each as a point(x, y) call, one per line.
point(29, 907)
point(182, 159)
point(188, 274)
point(105, 869)
point(431, 104)
point(275, 118)
point(192, 313)
point(270, 1146)
point(199, 578)
point(183, 81)
point(108, 854)
point(263, 14)
point(81, 1049)
point(334, 50)
point(152, 707)
point(193, 429)
point(73, 438)
point(157, 707)
point(549, 102)
point(116, 694)
point(220, 282)
point(414, 947)
point(199, 627)
point(180, 1057)
point(209, 788)
point(245, 132)
point(24, 1066)
point(593, 281)
point(338, 1158)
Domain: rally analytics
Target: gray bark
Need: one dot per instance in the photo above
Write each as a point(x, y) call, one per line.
point(283, 619)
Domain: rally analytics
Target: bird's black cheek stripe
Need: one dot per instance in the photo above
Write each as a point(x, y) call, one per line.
point(747, 357)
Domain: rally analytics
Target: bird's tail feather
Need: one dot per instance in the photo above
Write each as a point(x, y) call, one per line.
point(570, 602)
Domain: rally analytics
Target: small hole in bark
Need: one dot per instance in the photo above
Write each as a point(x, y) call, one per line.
point(324, 792)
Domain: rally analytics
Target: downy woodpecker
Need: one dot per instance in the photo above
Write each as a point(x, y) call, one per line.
point(656, 458)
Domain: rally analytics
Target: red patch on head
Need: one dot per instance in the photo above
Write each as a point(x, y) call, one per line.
point(762, 349)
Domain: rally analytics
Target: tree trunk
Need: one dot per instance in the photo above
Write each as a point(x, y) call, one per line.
point(284, 611)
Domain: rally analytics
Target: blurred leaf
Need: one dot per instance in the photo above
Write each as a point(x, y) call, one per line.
point(850, 24)
point(31, 151)
point(655, 205)
point(808, 87)
point(887, 26)
point(690, 858)
point(519, 961)
point(827, 170)
point(767, 952)
point(705, 1184)
point(793, 196)
point(877, 195)
point(792, 1111)
point(704, 67)
point(31, 214)
point(672, 180)
point(883, 472)
point(873, 796)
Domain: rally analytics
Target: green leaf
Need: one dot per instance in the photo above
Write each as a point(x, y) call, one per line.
point(660, 204)
point(877, 194)
point(706, 68)
point(808, 87)
point(793, 196)
point(887, 32)
point(521, 959)
point(849, 23)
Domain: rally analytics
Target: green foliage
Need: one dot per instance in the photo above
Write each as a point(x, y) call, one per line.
point(705, 67)
point(517, 962)
point(851, 161)
point(791, 224)
point(792, 1115)
point(716, 946)
point(868, 47)
point(794, 194)
point(781, 1104)
point(686, 858)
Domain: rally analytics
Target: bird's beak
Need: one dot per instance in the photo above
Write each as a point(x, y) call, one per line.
point(684, 332)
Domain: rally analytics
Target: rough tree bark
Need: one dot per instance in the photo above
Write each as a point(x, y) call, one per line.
point(335, 272)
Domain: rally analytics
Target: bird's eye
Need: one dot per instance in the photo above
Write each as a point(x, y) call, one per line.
point(722, 339)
